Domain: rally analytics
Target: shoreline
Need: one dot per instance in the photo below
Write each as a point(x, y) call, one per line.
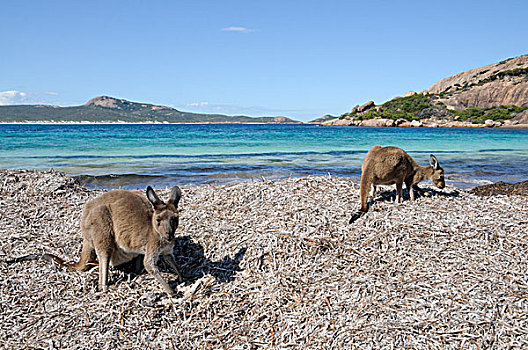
point(424, 123)
point(126, 181)
point(368, 123)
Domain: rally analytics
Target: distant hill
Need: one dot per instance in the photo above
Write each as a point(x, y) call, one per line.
point(110, 109)
point(494, 95)
point(322, 119)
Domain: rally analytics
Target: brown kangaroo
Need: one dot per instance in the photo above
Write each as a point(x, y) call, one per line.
point(119, 225)
point(392, 165)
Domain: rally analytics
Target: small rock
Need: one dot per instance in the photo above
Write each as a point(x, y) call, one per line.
point(366, 106)
point(376, 122)
point(489, 123)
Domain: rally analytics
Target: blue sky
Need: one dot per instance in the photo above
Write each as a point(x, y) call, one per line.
point(301, 59)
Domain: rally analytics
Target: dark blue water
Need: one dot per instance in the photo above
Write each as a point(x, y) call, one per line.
point(130, 156)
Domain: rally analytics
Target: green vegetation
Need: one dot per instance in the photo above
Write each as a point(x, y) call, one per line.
point(418, 107)
point(409, 108)
point(480, 115)
point(507, 73)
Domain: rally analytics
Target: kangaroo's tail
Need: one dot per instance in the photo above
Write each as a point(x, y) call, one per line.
point(363, 197)
point(47, 257)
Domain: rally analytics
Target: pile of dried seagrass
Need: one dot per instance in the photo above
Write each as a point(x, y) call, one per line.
point(272, 265)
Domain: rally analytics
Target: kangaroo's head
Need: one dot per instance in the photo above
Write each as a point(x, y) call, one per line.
point(166, 216)
point(438, 172)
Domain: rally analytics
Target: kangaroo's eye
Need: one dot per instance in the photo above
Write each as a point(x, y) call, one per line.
point(158, 220)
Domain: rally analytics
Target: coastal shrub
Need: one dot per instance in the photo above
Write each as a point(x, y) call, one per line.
point(409, 108)
point(418, 107)
point(518, 72)
point(480, 115)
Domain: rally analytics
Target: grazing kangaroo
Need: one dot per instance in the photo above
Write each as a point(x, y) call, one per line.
point(119, 225)
point(392, 165)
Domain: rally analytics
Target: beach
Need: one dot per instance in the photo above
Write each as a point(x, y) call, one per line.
point(274, 264)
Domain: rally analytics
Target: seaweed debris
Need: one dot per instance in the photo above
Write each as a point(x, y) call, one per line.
point(274, 264)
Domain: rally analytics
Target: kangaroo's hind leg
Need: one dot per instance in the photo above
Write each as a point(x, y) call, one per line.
point(373, 190)
point(399, 187)
point(363, 192)
point(410, 187)
point(97, 225)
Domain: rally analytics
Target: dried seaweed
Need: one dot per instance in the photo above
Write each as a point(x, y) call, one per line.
point(501, 187)
point(274, 264)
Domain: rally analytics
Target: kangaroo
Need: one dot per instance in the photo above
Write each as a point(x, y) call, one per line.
point(392, 165)
point(118, 226)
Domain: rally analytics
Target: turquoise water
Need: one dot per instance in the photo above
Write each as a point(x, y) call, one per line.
point(131, 156)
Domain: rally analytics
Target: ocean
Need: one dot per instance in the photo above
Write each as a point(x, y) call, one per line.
point(132, 156)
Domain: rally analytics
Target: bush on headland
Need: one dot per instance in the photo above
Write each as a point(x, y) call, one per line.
point(480, 115)
point(409, 108)
point(417, 107)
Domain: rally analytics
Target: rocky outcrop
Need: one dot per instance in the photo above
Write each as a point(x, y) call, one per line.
point(158, 108)
point(355, 109)
point(429, 123)
point(104, 101)
point(377, 122)
point(504, 83)
point(366, 107)
point(122, 104)
point(340, 122)
point(281, 119)
point(521, 118)
point(323, 119)
point(474, 76)
point(494, 93)
point(491, 123)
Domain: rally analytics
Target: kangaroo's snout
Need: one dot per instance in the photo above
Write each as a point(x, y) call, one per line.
point(166, 228)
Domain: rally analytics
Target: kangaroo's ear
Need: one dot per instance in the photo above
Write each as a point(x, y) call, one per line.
point(434, 162)
point(153, 197)
point(174, 197)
